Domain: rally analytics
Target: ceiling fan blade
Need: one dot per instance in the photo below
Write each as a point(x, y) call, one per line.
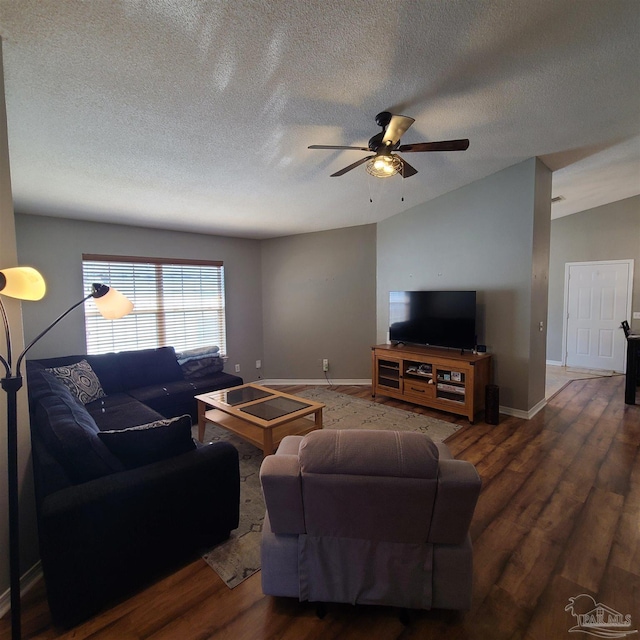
point(351, 166)
point(396, 128)
point(407, 170)
point(330, 146)
point(445, 145)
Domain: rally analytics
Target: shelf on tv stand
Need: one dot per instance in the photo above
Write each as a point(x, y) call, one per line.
point(464, 376)
point(420, 374)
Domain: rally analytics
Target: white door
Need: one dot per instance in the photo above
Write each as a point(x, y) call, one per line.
point(598, 298)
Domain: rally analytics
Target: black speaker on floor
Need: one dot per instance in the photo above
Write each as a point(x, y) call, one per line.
point(492, 404)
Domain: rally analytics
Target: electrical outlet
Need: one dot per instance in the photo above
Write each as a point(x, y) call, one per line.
point(636, 315)
point(258, 364)
point(237, 368)
point(325, 364)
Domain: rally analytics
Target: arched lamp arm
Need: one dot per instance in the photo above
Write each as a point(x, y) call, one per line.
point(6, 367)
point(42, 333)
point(5, 321)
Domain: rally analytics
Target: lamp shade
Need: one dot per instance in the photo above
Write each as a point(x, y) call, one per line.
point(111, 304)
point(24, 283)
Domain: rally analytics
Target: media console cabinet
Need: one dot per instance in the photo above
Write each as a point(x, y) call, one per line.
point(442, 379)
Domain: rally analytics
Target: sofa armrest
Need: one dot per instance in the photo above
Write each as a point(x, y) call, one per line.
point(458, 490)
point(211, 463)
point(281, 485)
point(102, 539)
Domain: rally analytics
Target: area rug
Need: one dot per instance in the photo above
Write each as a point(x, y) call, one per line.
point(239, 557)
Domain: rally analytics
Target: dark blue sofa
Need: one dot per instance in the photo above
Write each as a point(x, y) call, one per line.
point(111, 523)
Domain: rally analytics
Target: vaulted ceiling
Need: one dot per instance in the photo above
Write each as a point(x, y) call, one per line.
point(196, 115)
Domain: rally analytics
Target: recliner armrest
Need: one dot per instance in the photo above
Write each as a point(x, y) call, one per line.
point(458, 490)
point(282, 489)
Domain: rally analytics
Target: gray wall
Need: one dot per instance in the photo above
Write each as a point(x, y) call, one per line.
point(319, 301)
point(480, 237)
point(610, 232)
point(318, 291)
point(539, 282)
point(55, 247)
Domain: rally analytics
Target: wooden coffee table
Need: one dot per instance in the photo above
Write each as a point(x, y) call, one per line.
point(258, 415)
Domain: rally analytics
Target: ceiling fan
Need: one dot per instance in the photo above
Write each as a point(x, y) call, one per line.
point(384, 163)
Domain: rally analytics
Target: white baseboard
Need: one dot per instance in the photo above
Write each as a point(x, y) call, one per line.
point(27, 581)
point(316, 382)
point(555, 363)
point(525, 415)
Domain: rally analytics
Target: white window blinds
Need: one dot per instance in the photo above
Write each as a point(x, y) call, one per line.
point(178, 303)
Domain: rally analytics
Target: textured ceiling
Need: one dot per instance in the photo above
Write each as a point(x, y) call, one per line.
point(196, 115)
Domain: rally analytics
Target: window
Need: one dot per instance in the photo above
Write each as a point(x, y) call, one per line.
point(178, 303)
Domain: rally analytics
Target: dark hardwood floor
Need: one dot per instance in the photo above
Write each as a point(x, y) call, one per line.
point(558, 516)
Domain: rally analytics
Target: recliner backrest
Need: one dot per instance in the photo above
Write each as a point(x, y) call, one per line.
point(377, 485)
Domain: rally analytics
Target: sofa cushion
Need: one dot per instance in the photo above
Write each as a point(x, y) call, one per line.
point(81, 380)
point(70, 434)
point(175, 398)
point(148, 443)
point(41, 383)
point(121, 411)
point(162, 397)
point(148, 367)
point(107, 368)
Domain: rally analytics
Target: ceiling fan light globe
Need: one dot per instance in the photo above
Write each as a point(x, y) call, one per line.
point(383, 166)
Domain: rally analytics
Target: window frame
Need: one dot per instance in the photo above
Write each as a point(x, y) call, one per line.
point(158, 262)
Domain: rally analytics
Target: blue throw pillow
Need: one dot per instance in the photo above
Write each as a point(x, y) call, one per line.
point(152, 442)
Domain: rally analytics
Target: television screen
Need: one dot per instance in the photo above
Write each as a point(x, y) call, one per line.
point(435, 318)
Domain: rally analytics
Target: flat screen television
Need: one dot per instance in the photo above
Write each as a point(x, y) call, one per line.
point(435, 318)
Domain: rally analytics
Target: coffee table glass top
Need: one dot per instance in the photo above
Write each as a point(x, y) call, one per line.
point(241, 395)
point(274, 408)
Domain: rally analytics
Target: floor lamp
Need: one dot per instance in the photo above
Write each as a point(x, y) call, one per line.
point(25, 283)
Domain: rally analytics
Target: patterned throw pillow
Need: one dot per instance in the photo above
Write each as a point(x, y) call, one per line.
point(81, 380)
point(148, 443)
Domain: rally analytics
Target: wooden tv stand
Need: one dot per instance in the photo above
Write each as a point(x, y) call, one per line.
point(442, 379)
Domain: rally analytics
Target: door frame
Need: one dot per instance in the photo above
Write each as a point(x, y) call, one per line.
point(565, 323)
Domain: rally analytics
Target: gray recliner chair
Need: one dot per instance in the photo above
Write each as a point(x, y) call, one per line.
point(368, 517)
